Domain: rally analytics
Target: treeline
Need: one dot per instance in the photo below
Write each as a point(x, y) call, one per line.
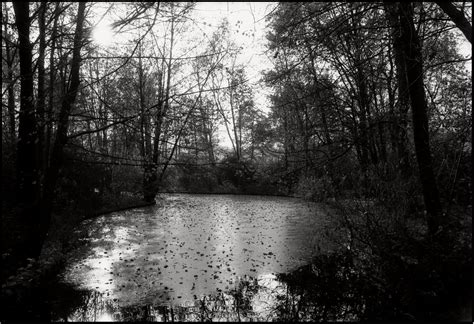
point(372, 99)
point(88, 128)
point(369, 101)
point(372, 112)
point(370, 106)
point(38, 105)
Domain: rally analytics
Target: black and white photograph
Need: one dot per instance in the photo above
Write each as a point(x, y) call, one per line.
point(236, 161)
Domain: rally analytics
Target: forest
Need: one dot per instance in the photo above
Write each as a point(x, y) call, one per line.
point(362, 107)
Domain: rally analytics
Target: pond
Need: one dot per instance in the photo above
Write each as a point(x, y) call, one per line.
point(190, 258)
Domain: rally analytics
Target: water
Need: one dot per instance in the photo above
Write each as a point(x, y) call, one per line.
point(190, 258)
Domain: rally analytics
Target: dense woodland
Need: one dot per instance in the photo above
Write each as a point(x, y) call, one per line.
point(370, 111)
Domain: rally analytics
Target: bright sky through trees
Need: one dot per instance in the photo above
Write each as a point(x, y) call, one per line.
point(103, 34)
point(353, 116)
point(247, 29)
point(247, 24)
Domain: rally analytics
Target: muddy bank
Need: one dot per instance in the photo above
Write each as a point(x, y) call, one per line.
point(120, 207)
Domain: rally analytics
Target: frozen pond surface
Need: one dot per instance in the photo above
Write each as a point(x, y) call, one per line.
point(190, 257)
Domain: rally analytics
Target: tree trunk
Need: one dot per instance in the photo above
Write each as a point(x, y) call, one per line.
point(400, 120)
point(49, 112)
point(27, 136)
point(414, 74)
point(234, 124)
point(10, 55)
point(63, 124)
point(41, 101)
point(151, 180)
point(149, 170)
point(457, 17)
point(366, 131)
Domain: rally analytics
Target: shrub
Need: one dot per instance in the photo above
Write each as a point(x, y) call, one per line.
point(406, 273)
point(315, 189)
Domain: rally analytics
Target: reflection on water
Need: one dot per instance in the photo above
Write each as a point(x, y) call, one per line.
point(195, 258)
point(267, 298)
point(233, 305)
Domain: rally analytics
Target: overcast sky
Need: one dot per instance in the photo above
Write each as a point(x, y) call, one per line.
point(249, 33)
point(248, 27)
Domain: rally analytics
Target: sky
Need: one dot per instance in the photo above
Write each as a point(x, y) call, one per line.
point(247, 25)
point(248, 28)
point(465, 48)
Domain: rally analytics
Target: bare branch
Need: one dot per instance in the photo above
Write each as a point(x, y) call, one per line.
point(457, 17)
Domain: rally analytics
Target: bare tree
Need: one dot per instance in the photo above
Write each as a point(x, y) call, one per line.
point(410, 43)
point(457, 17)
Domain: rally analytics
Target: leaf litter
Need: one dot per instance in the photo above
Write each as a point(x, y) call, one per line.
point(190, 246)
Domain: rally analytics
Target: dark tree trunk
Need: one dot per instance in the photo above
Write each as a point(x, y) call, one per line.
point(49, 112)
point(457, 17)
point(63, 124)
point(400, 118)
point(366, 124)
point(150, 169)
point(10, 56)
point(27, 136)
point(363, 123)
point(27, 131)
point(414, 73)
point(157, 134)
point(150, 180)
point(40, 105)
point(158, 121)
